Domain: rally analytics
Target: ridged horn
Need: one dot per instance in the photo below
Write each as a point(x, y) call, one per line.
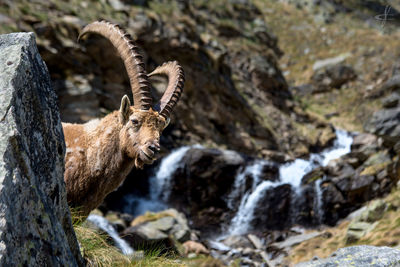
point(133, 61)
point(176, 79)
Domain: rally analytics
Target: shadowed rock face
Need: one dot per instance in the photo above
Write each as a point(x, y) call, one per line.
point(35, 224)
point(235, 94)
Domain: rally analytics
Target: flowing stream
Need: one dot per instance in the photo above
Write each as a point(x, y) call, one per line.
point(104, 225)
point(290, 173)
point(160, 185)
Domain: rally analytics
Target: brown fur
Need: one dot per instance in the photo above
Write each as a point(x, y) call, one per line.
point(101, 153)
point(192, 246)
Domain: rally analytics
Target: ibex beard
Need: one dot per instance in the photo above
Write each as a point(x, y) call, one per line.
point(102, 152)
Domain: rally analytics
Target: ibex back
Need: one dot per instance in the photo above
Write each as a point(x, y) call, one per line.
point(101, 152)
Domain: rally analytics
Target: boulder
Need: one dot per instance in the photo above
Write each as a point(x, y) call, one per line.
point(197, 184)
point(358, 256)
point(274, 213)
point(35, 222)
point(363, 139)
point(391, 84)
point(391, 100)
point(385, 123)
point(332, 77)
point(158, 229)
point(357, 230)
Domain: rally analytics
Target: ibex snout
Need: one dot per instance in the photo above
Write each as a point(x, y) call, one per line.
point(153, 146)
point(149, 151)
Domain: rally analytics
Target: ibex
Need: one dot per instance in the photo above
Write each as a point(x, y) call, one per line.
point(101, 152)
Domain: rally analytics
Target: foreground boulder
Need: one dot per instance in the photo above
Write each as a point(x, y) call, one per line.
point(35, 224)
point(358, 256)
point(161, 230)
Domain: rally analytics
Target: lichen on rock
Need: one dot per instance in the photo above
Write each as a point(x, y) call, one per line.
point(35, 224)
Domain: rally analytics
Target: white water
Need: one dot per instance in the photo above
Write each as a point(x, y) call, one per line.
point(160, 185)
point(254, 170)
point(318, 193)
point(104, 225)
point(290, 173)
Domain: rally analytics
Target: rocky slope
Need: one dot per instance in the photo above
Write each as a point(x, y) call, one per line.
point(267, 79)
point(228, 53)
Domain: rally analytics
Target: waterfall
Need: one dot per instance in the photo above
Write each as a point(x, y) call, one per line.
point(160, 185)
point(290, 173)
point(104, 225)
point(318, 197)
point(245, 214)
point(254, 170)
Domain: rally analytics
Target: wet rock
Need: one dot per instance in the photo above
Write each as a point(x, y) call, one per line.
point(274, 213)
point(237, 241)
point(358, 256)
point(35, 226)
point(196, 185)
point(115, 219)
point(312, 176)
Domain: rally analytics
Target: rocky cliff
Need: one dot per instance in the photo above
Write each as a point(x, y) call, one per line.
point(267, 82)
point(229, 55)
point(35, 223)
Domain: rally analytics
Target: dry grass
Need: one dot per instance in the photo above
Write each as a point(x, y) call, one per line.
point(304, 42)
point(96, 250)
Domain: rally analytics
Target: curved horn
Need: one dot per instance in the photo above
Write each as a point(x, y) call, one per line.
point(129, 52)
point(176, 78)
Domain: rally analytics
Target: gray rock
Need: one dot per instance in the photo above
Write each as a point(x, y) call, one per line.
point(391, 84)
point(163, 224)
point(35, 223)
point(385, 123)
point(357, 230)
point(332, 77)
point(296, 239)
point(374, 211)
point(363, 139)
point(236, 241)
point(255, 241)
point(358, 256)
point(391, 101)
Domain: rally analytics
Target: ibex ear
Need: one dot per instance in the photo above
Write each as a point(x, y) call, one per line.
point(124, 109)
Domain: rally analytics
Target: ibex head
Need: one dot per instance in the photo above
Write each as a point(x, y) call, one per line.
point(141, 123)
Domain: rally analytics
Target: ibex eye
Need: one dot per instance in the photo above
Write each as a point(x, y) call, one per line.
point(135, 122)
